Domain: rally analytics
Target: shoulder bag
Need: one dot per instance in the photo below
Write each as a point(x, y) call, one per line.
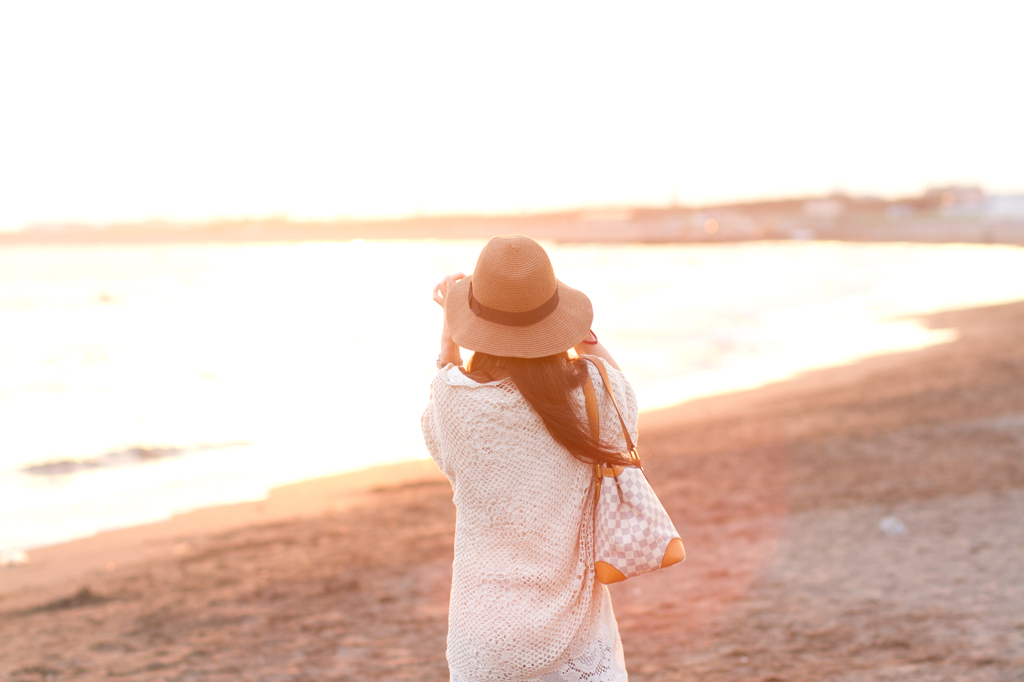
point(633, 533)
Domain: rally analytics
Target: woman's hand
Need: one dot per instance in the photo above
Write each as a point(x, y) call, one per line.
point(449, 349)
point(442, 287)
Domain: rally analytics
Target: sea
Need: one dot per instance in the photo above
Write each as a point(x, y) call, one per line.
point(141, 381)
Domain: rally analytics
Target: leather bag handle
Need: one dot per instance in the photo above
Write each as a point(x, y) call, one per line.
point(592, 413)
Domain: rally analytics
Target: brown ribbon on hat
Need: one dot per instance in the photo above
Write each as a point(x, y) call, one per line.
point(508, 319)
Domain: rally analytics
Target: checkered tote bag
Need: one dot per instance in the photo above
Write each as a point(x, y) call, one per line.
point(633, 533)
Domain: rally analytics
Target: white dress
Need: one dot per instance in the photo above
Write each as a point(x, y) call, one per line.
point(524, 604)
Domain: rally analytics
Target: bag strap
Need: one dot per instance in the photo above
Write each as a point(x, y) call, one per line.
point(591, 399)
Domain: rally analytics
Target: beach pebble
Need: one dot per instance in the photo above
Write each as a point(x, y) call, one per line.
point(13, 557)
point(891, 525)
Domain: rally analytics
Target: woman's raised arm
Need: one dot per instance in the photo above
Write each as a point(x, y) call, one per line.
point(591, 346)
point(449, 349)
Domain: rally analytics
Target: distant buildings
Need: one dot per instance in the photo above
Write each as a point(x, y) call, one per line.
point(1005, 206)
point(954, 199)
point(971, 201)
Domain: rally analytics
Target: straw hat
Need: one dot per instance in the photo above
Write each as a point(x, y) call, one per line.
point(512, 305)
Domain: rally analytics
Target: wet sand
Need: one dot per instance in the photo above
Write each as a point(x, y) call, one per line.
point(779, 494)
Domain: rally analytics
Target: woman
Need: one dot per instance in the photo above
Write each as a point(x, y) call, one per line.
point(510, 431)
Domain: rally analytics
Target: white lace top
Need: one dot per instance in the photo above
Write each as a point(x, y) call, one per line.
point(524, 602)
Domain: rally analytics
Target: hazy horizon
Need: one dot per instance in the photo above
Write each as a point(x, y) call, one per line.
point(600, 212)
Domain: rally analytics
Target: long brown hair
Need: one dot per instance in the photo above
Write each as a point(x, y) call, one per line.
point(547, 384)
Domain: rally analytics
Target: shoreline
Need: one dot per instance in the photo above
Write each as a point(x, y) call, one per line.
point(784, 496)
point(317, 496)
point(132, 544)
point(674, 393)
point(334, 493)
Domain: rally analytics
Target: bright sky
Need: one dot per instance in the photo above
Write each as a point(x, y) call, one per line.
point(115, 111)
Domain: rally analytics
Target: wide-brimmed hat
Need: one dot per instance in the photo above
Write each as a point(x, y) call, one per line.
point(513, 306)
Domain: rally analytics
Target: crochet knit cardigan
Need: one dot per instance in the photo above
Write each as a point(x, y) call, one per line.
point(524, 603)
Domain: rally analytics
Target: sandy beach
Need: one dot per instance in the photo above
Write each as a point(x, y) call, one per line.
point(856, 523)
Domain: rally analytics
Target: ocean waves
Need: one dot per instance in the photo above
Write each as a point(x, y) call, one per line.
point(118, 458)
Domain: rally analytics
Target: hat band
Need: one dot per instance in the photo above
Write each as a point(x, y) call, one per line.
point(508, 319)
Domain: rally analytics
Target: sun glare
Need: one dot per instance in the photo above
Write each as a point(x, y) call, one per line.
point(121, 111)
